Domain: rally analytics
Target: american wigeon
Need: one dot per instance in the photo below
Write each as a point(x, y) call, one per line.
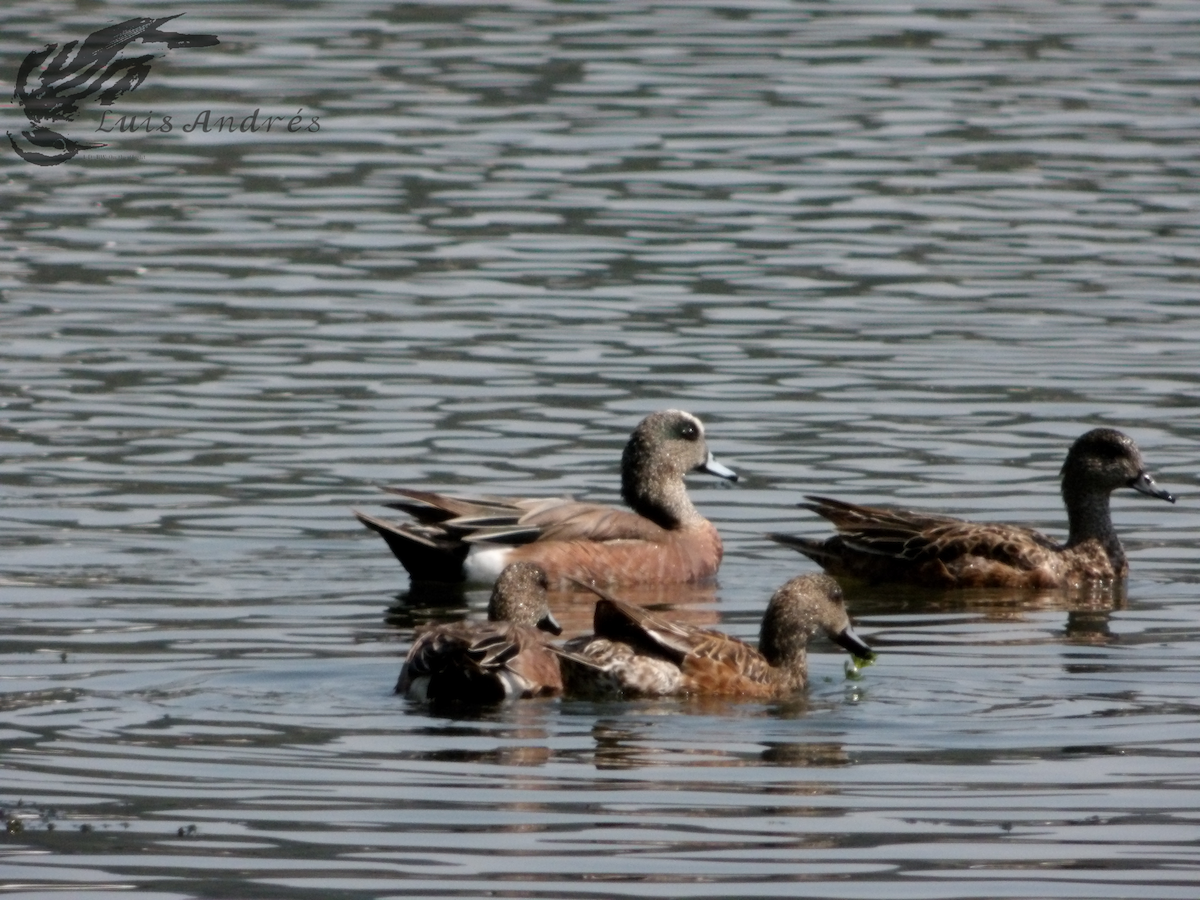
point(939, 551)
point(662, 538)
point(505, 658)
point(635, 653)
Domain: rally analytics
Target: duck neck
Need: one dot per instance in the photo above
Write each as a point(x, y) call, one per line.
point(791, 668)
point(660, 496)
point(785, 648)
point(1090, 519)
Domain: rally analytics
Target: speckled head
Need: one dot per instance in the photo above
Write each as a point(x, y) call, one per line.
point(663, 448)
point(1103, 460)
point(519, 596)
point(803, 608)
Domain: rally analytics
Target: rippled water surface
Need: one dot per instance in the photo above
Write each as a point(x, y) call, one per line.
point(888, 252)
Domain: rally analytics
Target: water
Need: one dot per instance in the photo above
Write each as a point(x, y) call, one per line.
point(887, 253)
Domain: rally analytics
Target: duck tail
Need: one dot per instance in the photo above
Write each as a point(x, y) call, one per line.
point(426, 557)
point(813, 549)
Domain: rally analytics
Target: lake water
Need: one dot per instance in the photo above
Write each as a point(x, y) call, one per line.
point(891, 253)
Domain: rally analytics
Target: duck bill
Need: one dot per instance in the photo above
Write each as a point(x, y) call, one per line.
point(1144, 484)
point(847, 639)
point(712, 467)
point(549, 623)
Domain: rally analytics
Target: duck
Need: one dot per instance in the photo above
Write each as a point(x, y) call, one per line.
point(635, 653)
point(662, 537)
point(876, 544)
point(504, 658)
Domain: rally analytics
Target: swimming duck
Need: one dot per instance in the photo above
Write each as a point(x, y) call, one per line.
point(661, 538)
point(877, 544)
point(505, 658)
point(635, 653)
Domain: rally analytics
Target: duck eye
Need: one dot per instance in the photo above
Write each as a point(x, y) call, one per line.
point(688, 431)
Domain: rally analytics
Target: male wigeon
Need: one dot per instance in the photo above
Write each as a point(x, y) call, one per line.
point(505, 658)
point(899, 545)
point(662, 537)
point(635, 653)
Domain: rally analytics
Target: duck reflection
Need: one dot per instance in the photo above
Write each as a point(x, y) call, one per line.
point(1088, 608)
point(807, 755)
point(619, 745)
point(513, 734)
point(573, 607)
point(633, 743)
point(1086, 626)
point(430, 603)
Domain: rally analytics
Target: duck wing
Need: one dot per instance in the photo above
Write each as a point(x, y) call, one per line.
point(645, 632)
point(517, 520)
point(452, 645)
point(710, 662)
point(482, 661)
point(921, 537)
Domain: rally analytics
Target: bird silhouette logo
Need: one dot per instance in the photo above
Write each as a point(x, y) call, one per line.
point(54, 81)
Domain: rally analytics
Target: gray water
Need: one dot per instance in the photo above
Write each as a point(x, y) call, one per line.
point(888, 253)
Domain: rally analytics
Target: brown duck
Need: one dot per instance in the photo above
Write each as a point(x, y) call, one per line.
point(898, 545)
point(635, 653)
point(505, 658)
point(662, 538)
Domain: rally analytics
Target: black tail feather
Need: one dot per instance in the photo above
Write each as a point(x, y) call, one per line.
point(425, 558)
